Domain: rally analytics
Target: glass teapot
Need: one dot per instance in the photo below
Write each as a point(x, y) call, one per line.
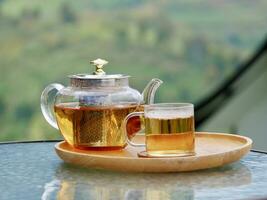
point(90, 111)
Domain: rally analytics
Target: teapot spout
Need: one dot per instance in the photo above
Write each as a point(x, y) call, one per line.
point(149, 92)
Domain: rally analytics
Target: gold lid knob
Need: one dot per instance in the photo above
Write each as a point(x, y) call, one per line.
point(99, 63)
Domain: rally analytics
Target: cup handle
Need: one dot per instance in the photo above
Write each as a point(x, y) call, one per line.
point(125, 122)
point(48, 101)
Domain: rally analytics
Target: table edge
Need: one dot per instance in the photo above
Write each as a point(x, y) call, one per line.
point(50, 141)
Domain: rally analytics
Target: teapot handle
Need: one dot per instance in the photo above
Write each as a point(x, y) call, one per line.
point(48, 101)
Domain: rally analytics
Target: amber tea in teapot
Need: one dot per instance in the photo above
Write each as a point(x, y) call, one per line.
point(98, 126)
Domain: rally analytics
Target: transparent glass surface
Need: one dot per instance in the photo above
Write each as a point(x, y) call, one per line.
point(33, 171)
point(191, 45)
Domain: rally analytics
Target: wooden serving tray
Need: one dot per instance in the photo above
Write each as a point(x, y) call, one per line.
point(212, 150)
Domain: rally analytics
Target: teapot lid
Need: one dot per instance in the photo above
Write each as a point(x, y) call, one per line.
point(99, 73)
point(98, 76)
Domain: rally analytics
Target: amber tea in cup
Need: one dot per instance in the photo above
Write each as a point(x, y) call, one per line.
point(169, 129)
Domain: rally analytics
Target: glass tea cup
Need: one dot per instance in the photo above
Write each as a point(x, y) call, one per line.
point(169, 129)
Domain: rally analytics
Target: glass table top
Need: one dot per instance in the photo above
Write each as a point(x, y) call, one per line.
point(34, 171)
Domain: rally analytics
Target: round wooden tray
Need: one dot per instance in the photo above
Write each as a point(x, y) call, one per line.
point(212, 150)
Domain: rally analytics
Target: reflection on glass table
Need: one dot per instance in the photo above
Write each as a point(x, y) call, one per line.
point(78, 183)
point(33, 171)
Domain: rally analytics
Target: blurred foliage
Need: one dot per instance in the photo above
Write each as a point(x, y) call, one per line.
point(191, 45)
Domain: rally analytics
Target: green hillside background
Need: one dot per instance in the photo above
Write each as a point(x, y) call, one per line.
point(191, 45)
